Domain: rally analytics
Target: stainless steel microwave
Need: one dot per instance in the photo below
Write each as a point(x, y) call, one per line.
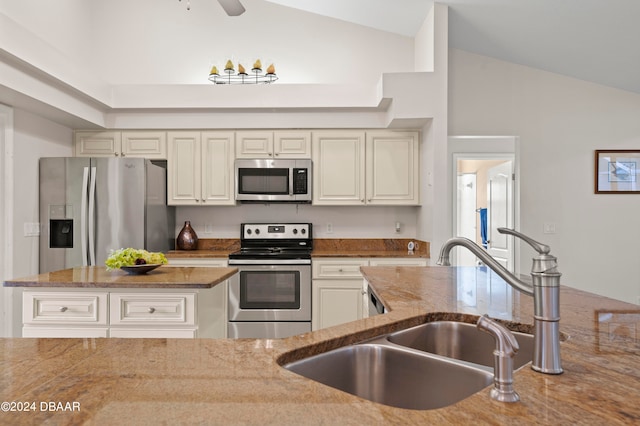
point(273, 180)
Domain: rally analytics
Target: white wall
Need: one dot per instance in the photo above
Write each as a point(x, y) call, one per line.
point(434, 216)
point(7, 295)
point(347, 222)
point(33, 137)
point(160, 42)
point(560, 122)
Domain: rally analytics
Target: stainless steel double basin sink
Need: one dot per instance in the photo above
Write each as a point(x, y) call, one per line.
point(425, 367)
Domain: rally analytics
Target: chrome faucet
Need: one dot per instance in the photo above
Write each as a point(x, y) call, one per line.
point(506, 348)
point(545, 291)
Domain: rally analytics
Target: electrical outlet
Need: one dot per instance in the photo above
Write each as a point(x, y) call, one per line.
point(208, 228)
point(329, 228)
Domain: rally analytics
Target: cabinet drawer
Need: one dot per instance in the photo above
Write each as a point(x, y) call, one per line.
point(399, 261)
point(203, 262)
point(340, 268)
point(138, 333)
point(149, 308)
point(64, 308)
point(65, 332)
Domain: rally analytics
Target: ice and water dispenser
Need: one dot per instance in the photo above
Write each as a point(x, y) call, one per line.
point(61, 226)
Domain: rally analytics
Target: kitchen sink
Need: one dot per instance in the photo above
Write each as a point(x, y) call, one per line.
point(393, 375)
point(461, 341)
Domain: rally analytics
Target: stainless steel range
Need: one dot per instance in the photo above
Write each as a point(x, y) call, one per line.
point(270, 296)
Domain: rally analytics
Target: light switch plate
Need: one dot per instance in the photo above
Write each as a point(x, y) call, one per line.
point(31, 229)
point(549, 228)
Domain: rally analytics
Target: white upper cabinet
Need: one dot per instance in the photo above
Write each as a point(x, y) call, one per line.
point(373, 167)
point(292, 144)
point(392, 168)
point(98, 144)
point(151, 145)
point(200, 168)
point(134, 143)
point(273, 144)
point(217, 168)
point(338, 167)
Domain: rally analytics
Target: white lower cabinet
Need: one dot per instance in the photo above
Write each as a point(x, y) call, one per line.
point(336, 291)
point(339, 295)
point(212, 315)
point(57, 313)
point(128, 312)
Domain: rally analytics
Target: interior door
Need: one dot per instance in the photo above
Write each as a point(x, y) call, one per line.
point(500, 213)
point(466, 217)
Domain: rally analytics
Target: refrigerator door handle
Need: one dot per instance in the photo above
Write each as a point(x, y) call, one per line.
point(92, 216)
point(83, 216)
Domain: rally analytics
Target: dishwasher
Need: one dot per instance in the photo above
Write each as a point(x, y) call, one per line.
point(375, 305)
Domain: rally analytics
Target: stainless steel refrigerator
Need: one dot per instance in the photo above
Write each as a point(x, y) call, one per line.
point(90, 206)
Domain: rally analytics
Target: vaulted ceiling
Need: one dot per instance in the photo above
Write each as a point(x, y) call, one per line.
point(592, 40)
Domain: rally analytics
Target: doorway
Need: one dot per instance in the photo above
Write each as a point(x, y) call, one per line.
point(486, 197)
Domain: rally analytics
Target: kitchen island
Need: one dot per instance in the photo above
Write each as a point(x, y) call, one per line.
point(100, 277)
point(92, 301)
point(224, 381)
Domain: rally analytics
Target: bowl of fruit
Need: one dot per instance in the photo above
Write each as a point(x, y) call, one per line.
point(135, 261)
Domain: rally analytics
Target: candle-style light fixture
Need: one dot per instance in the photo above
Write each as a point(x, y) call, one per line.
point(255, 76)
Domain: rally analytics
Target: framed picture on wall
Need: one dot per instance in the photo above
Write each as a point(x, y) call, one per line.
point(617, 172)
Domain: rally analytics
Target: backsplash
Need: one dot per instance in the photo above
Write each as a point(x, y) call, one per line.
point(328, 221)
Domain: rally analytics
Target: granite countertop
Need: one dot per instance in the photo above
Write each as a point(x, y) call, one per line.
point(100, 277)
point(322, 247)
point(198, 254)
point(240, 381)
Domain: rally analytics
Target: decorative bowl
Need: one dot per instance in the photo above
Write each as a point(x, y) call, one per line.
point(140, 269)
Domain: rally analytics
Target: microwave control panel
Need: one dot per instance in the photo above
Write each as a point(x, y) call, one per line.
point(300, 177)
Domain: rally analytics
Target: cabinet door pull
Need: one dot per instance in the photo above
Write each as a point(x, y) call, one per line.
point(152, 310)
point(63, 309)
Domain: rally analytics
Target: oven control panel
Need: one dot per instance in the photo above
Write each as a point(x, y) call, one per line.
point(265, 231)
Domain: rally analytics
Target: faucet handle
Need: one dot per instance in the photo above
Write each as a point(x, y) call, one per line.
point(506, 348)
point(539, 247)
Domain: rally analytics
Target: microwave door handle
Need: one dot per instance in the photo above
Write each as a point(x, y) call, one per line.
point(291, 177)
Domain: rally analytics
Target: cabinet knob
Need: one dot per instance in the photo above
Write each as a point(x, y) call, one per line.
point(122, 154)
point(116, 154)
point(63, 309)
point(152, 310)
point(340, 270)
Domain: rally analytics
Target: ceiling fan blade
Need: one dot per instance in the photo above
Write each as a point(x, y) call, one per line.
point(232, 7)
